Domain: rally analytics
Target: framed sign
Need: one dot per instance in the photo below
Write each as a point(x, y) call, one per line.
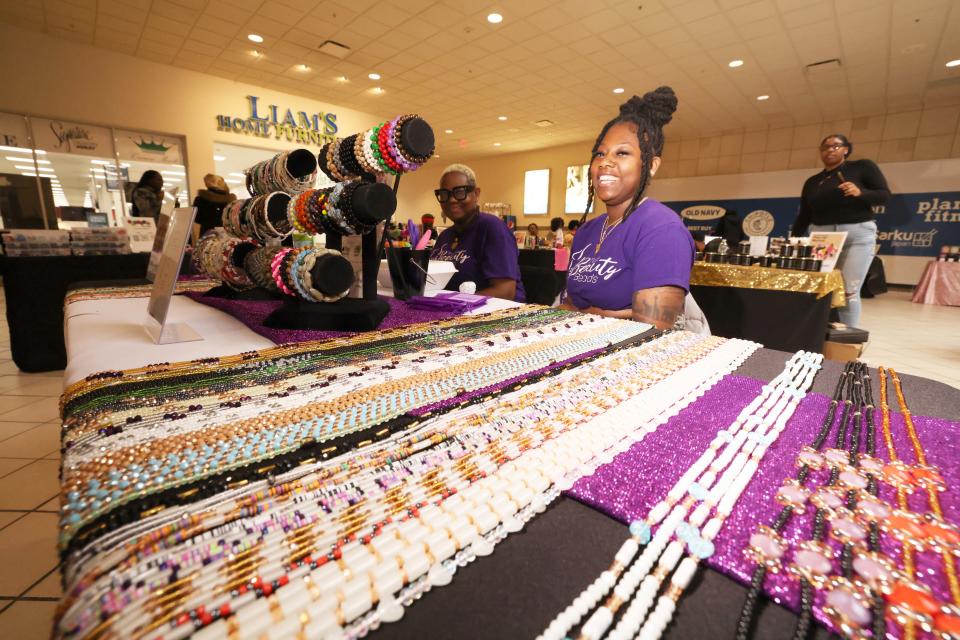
point(174, 245)
point(578, 183)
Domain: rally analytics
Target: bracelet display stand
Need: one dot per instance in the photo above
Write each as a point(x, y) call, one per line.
point(373, 202)
point(285, 199)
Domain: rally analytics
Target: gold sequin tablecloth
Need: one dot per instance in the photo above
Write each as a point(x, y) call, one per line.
point(755, 277)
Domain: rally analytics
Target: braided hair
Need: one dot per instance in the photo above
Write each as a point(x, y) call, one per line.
point(650, 114)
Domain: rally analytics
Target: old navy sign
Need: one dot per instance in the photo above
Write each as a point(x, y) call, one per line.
point(910, 224)
point(270, 121)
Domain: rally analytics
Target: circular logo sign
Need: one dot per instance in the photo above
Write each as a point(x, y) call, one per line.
point(703, 212)
point(758, 223)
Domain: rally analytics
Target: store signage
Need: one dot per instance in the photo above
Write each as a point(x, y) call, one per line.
point(267, 121)
point(910, 224)
point(705, 212)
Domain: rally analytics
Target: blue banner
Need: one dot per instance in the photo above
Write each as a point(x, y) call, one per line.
point(910, 224)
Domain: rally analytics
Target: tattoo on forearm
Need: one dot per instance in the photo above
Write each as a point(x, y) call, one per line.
point(660, 306)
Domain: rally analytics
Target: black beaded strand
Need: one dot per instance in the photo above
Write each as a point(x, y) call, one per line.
point(748, 612)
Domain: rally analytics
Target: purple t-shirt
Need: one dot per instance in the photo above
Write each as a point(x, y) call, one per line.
point(650, 248)
point(484, 251)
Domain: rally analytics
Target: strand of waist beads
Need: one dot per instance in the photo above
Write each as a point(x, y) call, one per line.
point(315, 379)
point(126, 533)
point(567, 458)
point(911, 603)
point(812, 563)
point(767, 547)
point(729, 452)
point(98, 397)
point(337, 382)
point(256, 437)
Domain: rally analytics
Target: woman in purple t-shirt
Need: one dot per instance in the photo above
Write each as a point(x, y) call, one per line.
point(480, 245)
point(634, 261)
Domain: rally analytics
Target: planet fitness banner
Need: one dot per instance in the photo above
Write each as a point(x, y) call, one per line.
point(910, 224)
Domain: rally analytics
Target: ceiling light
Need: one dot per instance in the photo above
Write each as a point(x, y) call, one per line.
point(733, 64)
point(954, 63)
point(30, 175)
point(233, 181)
point(378, 89)
point(494, 18)
point(448, 130)
point(763, 97)
point(27, 167)
point(373, 76)
point(237, 175)
point(173, 173)
point(255, 53)
point(22, 150)
point(219, 158)
point(618, 90)
point(303, 67)
point(101, 162)
point(501, 118)
point(255, 38)
point(496, 144)
point(343, 79)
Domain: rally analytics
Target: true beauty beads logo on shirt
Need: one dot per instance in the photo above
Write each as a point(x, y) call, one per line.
point(585, 268)
point(444, 254)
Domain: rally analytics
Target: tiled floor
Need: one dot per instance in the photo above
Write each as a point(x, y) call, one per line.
point(917, 339)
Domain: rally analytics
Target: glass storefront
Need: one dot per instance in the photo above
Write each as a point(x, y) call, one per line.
point(69, 170)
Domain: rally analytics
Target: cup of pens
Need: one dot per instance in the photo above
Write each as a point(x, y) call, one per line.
point(408, 271)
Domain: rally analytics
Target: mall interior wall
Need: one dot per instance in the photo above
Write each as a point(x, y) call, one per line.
point(46, 76)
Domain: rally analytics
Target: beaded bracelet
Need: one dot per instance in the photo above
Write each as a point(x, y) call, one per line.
point(309, 263)
point(275, 266)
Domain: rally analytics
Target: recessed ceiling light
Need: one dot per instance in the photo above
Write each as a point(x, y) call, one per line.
point(303, 67)
point(378, 89)
point(618, 90)
point(436, 155)
point(343, 79)
point(373, 76)
point(255, 38)
point(496, 144)
point(494, 18)
point(763, 97)
point(735, 63)
point(954, 63)
point(448, 130)
point(15, 159)
point(255, 53)
point(501, 118)
point(219, 158)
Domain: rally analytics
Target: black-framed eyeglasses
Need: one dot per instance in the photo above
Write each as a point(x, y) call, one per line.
point(458, 193)
point(831, 147)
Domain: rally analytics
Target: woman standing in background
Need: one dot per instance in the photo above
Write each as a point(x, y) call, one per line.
point(841, 198)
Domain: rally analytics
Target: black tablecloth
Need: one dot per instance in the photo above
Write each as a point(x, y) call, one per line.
point(35, 288)
point(533, 575)
point(785, 320)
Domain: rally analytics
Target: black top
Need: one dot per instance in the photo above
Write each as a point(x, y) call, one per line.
point(822, 201)
point(209, 212)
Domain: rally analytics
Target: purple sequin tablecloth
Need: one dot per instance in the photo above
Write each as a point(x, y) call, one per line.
point(253, 312)
point(627, 488)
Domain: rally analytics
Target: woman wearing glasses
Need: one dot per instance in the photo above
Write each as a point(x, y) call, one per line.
point(479, 244)
point(841, 198)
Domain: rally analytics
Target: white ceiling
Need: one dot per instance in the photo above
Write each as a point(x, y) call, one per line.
point(548, 59)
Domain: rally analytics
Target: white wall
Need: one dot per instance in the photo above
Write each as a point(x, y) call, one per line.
point(41, 75)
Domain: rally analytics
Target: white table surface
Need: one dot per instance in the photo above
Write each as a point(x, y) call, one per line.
point(108, 334)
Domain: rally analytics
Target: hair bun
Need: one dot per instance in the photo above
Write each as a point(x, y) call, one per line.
point(657, 105)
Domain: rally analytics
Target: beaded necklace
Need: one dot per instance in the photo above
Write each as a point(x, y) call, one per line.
point(715, 480)
point(509, 504)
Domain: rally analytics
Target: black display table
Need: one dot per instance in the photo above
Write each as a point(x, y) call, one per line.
point(781, 309)
point(35, 288)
